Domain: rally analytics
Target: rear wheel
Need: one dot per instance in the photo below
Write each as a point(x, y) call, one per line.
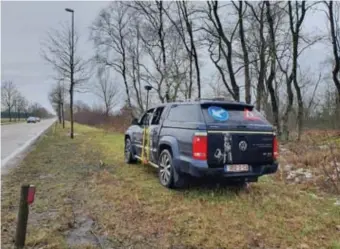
point(165, 170)
point(128, 155)
point(167, 174)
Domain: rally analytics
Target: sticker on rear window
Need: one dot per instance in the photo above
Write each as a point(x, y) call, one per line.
point(250, 115)
point(218, 113)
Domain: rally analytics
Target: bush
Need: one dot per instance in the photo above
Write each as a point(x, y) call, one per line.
point(118, 123)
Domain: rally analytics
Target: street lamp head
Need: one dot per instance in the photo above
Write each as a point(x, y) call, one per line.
point(69, 10)
point(147, 87)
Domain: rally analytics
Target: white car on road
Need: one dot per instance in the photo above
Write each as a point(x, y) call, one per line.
point(31, 120)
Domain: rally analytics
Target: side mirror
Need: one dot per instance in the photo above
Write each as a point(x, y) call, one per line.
point(134, 121)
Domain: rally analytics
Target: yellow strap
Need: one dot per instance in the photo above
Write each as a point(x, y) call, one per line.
point(148, 146)
point(145, 134)
point(143, 142)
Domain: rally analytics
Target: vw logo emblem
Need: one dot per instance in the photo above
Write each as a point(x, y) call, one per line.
point(243, 146)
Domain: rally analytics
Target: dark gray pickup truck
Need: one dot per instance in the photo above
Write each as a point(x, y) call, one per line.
point(203, 138)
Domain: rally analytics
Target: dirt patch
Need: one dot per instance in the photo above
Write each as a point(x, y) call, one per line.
point(313, 163)
point(81, 233)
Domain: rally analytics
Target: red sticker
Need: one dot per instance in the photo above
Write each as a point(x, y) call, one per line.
point(250, 115)
point(31, 194)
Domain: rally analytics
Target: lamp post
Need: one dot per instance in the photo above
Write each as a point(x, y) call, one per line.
point(71, 69)
point(147, 88)
point(72, 30)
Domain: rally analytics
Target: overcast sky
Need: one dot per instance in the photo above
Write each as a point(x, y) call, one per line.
point(24, 25)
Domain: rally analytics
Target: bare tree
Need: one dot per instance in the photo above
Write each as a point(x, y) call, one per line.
point(108, 91)
point(110, 34)
point(257, 45)
point(154, 37)
point(37, 110)
point(135, 56)
point(241, 9)
point(217, 87)
point(8, 97)
point(184, 26)
point(60, 49)
point(222, 42)
point(21, 104)
point(296, 18)
point(272, 74)
point(57, 97)
point(163, 47)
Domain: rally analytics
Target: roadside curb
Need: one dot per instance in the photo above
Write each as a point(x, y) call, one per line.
point(24, 147)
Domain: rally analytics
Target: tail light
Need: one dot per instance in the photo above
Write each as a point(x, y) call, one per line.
point(200, 147)
point(275, 148)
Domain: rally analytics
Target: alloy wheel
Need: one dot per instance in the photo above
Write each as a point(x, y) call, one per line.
point(165, 169)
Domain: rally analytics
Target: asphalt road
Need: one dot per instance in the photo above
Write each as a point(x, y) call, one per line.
point(17, 137)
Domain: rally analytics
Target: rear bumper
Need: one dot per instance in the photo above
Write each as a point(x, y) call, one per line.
point(200, 169)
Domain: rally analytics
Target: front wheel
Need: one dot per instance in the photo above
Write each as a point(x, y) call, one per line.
point(128, 156)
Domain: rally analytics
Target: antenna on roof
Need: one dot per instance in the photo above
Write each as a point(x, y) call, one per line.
point(147, 88)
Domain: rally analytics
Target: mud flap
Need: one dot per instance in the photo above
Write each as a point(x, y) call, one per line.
point(180, 180)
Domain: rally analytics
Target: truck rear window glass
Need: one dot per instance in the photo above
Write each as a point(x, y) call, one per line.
point(232, 114)
point(184, 113)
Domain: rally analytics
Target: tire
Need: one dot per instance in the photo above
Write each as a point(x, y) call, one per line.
point(167, 174)
point(128, 155)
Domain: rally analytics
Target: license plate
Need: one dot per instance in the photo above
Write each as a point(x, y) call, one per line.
point(236, 168)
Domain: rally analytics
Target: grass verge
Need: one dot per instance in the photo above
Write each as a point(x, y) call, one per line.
point(82, 203)
point(5, 121)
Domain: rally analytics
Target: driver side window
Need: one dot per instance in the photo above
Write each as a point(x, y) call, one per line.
point(145, 120)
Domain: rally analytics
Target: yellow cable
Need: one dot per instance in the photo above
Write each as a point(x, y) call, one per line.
point(148, 146)
point(143, 143)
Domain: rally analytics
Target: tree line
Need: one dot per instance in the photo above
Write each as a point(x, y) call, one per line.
point(15, 106)
point(255, 49)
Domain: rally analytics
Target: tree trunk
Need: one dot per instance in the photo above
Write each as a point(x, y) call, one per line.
point(107, 109)
point(59, 112)
point(271, 89)
point(162, 45)
point(247, 83)
point(193, 51)
point(295, 31)
point(285, 117)
point(337, 110)
point(71, 109)
point(124, 76)
point(336, 69)
point(63, 115)
point(296, 85)
point(135, 79)
point(190, 76)
point(15, 112)
point(229, 54)
point(262, 72)
point(198, 73)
